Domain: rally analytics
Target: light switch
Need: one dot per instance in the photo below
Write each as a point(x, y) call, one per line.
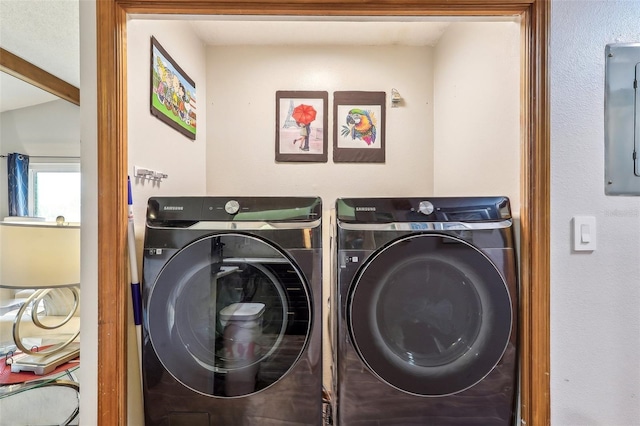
point(584, 233)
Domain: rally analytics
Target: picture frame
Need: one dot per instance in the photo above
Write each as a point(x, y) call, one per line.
point(359, 127)
point(301, 126)
point(173, 92)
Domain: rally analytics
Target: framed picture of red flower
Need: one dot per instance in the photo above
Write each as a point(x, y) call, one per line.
point(359, 127)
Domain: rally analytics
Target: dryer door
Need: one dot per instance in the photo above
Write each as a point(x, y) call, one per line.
point(229, 315)
point(429, 314)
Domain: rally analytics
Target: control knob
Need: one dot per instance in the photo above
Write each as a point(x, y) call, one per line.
point(232, 207)
point(425, 207)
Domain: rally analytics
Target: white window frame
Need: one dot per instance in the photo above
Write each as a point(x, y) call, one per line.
point(62, 167)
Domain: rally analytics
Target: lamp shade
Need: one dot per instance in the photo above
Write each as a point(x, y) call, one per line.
point(38, 255)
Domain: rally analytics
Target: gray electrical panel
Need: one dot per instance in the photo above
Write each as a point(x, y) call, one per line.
point(621, 119)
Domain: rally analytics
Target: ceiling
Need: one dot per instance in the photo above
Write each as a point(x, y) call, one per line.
point(46, 33)
point(281, 32)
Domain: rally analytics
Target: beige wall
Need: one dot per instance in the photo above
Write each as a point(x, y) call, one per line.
point(242, 82)
point(477, 111)
point(153, 144)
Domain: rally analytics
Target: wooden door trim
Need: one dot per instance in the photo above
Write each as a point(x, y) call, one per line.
point(112, 173)
point(112, 224)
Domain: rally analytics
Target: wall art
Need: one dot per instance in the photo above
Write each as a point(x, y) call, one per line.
point(301, 126)
point(359, 127)
point(173, 93)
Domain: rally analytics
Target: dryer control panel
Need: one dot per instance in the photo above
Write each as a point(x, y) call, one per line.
point(433, 209)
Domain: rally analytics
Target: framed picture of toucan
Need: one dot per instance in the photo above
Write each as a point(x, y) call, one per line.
point(359, 127)
point(301, 126)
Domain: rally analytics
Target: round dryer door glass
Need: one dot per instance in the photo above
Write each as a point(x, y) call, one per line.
point(229, 315)
point(430, 314)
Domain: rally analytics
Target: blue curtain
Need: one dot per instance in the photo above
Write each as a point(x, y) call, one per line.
point(18, 167)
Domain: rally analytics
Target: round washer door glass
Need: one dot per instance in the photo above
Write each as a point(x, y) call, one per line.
point(229, 315)
point(429, 314)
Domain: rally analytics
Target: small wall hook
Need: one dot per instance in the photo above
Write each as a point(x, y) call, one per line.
point(153, 175)
point(396, 99)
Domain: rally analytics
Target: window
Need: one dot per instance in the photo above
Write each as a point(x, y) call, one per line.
point(55, 191)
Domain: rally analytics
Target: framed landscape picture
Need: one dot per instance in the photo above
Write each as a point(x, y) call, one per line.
point(301, 126)
point(359, 127)
point(173, 93)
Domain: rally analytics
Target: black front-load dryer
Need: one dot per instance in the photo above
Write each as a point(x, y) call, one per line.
point(231, 312)
point(426, 320)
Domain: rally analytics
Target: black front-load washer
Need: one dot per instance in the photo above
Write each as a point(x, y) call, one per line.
point(426, 319)
point(231, 313)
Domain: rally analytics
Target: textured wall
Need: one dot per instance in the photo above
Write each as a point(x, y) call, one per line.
point(595, 320)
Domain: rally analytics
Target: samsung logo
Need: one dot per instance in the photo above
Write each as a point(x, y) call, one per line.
point(173, 208)
point(365, 209)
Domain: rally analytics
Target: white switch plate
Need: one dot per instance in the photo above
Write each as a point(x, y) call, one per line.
point(584, 233)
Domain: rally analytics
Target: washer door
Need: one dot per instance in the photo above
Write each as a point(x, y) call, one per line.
point(229, 315)
point(429, 314)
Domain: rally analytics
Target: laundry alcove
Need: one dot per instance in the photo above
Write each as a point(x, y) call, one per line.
point(531, 151)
